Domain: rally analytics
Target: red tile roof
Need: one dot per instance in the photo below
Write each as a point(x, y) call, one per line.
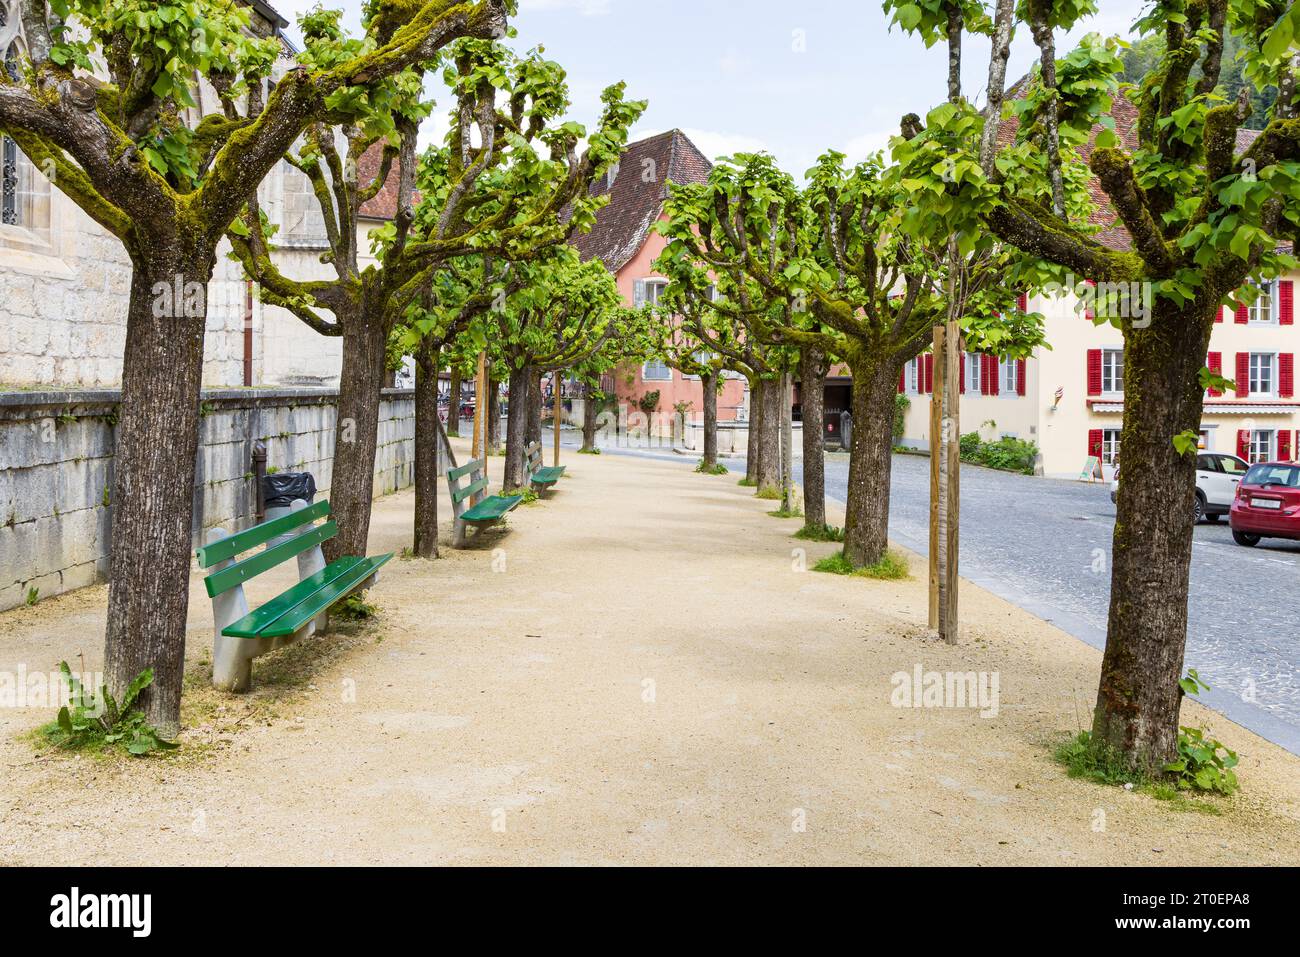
point(637, 196)
point(384, 204)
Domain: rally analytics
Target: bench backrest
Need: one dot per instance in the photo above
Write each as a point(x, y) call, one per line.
point(237, 571)
point(532, 459)
point(467, 485)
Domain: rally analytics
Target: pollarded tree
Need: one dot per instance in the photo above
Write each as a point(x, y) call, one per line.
point(488, 189)
point(1205, 215)
point(676, 314)
point(133, 153)
point(849, 281)
point(560, 313)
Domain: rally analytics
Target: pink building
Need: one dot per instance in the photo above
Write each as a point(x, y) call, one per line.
point(624, 240)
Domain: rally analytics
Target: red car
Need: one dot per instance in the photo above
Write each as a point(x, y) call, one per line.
point(1267, 504)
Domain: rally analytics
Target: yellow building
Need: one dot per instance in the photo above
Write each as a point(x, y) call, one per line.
point(1069, 399)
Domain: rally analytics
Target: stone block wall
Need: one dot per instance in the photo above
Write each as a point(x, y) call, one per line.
point(56, 471)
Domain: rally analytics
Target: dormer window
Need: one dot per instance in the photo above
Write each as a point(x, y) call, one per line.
point(611, 174)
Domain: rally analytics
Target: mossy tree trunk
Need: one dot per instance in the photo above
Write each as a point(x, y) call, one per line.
point(1138, 697)
point(812, 404)
point(153, 489)
point(453, 410)
point(866, 522)
point(589, 415)
point(426, 453)
point(365, 340)
point(709, 386)
point(517, 428)
point(753, 447)
point(769, 438)
point(494, 412)
point(534, 406)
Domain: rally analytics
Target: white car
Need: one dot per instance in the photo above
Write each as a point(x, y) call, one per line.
point(1217, 478)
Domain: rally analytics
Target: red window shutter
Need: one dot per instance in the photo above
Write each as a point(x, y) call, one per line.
point(1285, 304)
point(961, 359)
point(1020, 377)
point(1022, 302)
point(1094, 442)
point(1090, 314)
point(1286, 374)
point(929, 372)
point(1243, 315)
point(1218, 316)
point(1243, 444)
point(1243, 374)
point(1214, 362)
point(1094, 372)
point(1284, 445)
point(995, 383)
point(902, 380)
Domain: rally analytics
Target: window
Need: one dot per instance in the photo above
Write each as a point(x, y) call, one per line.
point(1112, 371)
point(913, 381)
point(1230, 464)
point(11, 208)
point(1287, 475)
point(656, 370)
point(1263, 373)
point(974, 366)
point(654, 289)
point(1263, 309)
point(1008, 371)
point(1261, 445)
point(1110, 446)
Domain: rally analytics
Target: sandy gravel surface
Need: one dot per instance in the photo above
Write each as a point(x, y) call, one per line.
point(635, 672)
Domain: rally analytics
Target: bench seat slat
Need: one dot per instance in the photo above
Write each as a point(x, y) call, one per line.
point(549, 476)
point(242, 571)
point(491, 509)
point(230, 546)
point(292, 610)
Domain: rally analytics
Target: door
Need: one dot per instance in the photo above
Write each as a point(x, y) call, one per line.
point(1231, 470)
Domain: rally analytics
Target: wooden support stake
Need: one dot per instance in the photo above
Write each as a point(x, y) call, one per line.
point(948, 620)
point(480, 412)
point(936, 471)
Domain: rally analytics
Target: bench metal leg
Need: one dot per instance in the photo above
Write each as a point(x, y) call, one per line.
point(232, 668)
point(458, 534)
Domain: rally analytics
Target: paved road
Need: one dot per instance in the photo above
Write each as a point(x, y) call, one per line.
point(1044, 544)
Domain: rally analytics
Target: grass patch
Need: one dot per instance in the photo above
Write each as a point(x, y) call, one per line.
point(529, 495)
point(771, 493)
point(891, 567)
point(1106, 766)
point(717, 468)
point(355, 608)
point(588, 451)
point(795, 512)
point(747, 483)
point(820, 533)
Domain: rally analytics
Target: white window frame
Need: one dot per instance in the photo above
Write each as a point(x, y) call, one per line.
point(1112, 369)
point(1008, 379)
point(647, 377)
point(654, 288)
point(974, 370)
point(1110, 445)
point(1264, 310)
point(912, 381)
point(1261, 362)
point(1263, 446)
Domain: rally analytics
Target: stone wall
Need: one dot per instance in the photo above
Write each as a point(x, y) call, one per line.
point(56, 472)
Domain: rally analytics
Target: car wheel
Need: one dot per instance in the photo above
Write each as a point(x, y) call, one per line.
point(1248, 539)
point(1198, 510)
point(1114, 498)
point(1213, 518)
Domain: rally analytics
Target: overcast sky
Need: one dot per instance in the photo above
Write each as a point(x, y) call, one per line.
point(793, 79)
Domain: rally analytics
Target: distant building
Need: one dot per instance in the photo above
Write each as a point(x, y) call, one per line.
point(623, 239)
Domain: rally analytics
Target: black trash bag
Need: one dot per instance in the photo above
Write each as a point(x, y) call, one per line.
point(279, 490)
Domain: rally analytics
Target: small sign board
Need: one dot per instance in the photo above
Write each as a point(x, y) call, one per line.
point(1090, 469)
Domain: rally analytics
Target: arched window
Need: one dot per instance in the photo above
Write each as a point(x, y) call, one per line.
point(24, 191)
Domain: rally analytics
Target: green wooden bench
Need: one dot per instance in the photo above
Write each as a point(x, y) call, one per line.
point(470, 500)
point(241, 635)
point(540, 478)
